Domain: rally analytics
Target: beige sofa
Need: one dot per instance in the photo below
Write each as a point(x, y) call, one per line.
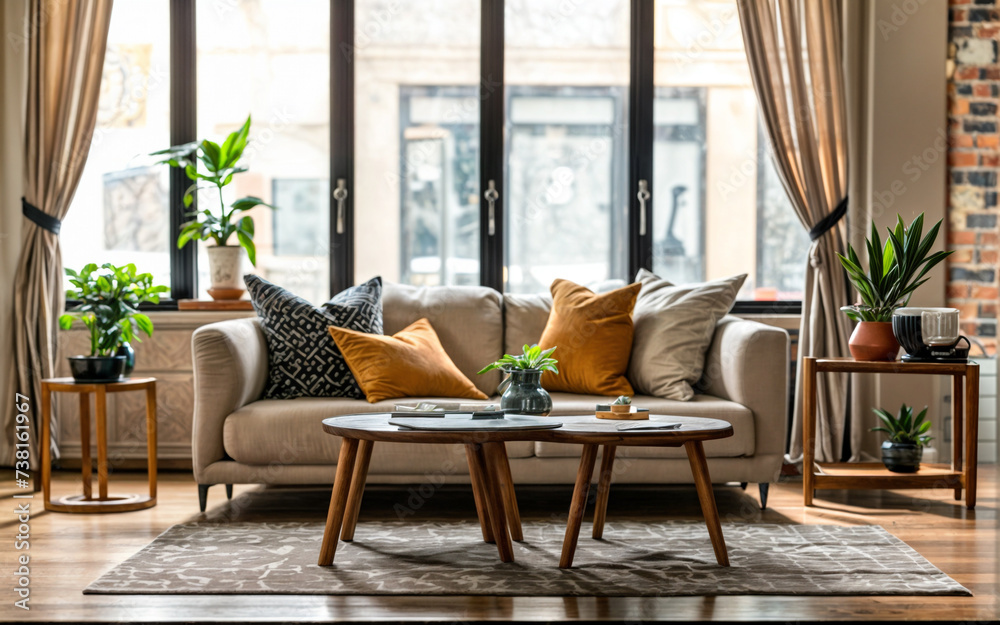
point(240, 438)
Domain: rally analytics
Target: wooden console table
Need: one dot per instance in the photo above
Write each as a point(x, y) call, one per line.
point(87, 503)
point(873, 475)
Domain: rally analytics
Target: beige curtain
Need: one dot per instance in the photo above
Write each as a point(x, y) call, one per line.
point(66, 43)
point(794, 49)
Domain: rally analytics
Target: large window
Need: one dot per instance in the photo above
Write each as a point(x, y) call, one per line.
point(416, 146)
point(566, 69)
point(270, 59)
point(718, 205)
point(121, 211)
point(496, 142)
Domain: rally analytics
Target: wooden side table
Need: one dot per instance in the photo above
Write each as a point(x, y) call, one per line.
point(87, 503)
point(873, 475)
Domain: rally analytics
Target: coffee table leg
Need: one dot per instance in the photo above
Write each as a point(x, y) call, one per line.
point(357, 490)
point(510, 497)
point(578, 505)
point(702, 481)
point(479, 493)
point(603, 489)
point(338, 500)
point(486, 457)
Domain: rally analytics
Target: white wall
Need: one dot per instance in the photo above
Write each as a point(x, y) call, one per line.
point(13, 57)
point(909, 126)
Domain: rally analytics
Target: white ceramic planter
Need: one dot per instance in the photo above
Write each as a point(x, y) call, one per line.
point(224, 266)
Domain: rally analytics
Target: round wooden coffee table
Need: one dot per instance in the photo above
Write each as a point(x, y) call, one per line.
point(492, 486)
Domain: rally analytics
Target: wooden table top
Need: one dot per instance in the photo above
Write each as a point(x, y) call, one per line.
point(69, 385)
point(849, 365)
point(580, 429)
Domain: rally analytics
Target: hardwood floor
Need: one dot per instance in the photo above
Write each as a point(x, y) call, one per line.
point(69, 551)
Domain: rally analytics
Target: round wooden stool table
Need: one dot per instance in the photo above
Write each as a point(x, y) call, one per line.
point(87, 503)
point(492, 485)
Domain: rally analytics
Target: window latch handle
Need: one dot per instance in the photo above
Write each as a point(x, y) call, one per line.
point(643, 196)
point(340, 194)
point(491, 195)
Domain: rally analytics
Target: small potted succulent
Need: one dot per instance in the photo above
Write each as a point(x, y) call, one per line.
point(521, 390)
point(622, 404)
point(894, 272)
point(219, 224)
point(907, 438)
point(108, 305)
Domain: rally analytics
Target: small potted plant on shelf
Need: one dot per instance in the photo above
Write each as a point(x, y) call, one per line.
point(907, 438)
point(895, 271)
point(219, 224)
point(622, 404)
point(521, 390)
point(108, 305)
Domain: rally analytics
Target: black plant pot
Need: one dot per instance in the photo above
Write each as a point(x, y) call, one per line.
point(126, 350)
point(901, 457)
point(97, 368)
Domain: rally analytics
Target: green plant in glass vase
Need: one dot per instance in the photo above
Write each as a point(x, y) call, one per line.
point(521, 390)
point(212, 166)
point(895, 270)
point(108, 299)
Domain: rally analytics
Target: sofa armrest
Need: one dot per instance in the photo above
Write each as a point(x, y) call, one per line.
point(230, 369)
point(748, 363)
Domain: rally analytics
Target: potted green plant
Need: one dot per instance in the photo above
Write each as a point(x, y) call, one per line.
point(521, 390)
point(108, 299)
point(217, 224)
point(907, 438)
point(895, 270)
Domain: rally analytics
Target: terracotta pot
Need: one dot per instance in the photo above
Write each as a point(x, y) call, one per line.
point(874, 340)
point(620, 408)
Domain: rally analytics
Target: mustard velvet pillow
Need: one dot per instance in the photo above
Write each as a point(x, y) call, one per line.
point(593, 333)
point(410, 363)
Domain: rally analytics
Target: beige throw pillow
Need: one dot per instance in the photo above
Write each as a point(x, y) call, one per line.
point(674, 325)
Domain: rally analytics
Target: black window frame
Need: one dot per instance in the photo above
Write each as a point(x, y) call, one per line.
point(641, 93)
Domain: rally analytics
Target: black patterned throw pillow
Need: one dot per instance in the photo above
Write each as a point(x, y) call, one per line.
point(303, 360)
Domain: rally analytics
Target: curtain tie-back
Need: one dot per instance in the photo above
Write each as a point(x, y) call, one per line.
point(39, 217)
point(827, 223)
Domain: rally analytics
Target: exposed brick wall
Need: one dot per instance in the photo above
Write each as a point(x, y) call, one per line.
point(973, 157)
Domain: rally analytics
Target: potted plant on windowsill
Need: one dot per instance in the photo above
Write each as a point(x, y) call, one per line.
point(109, 299)
point(219, 224)
point(521, 390)
point(907, 438)
point(895, 271)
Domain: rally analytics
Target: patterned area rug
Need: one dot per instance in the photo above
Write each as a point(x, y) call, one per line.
point(450, 558)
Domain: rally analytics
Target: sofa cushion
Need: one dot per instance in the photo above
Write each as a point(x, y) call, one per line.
point(408, 363)
point(741, 443)
point(674, 325)
point(287, 431)
point(593, 336)
point(525, 314)
point(303, 360)
point(468, 321)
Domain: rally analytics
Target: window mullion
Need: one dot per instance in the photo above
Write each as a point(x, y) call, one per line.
point(183, 129)
point(640, 235)
point(491, 157)
point(341, 144)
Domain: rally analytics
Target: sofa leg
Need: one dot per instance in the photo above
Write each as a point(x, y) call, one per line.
point(743, 485)
point(229, 492)
point(763, 495)
point(203, 495)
